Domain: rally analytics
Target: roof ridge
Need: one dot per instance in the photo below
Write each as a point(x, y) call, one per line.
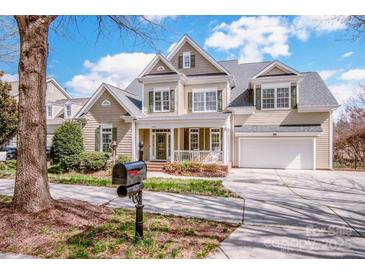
point(124, 90)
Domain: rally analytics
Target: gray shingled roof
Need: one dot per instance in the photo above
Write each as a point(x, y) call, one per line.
point(242, 73)
point(279, 128)
point(314, 92)
point(131, 101)
point(76, 101)
point(135, 87)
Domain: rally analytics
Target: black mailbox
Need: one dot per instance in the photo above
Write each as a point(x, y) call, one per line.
point(130, 177)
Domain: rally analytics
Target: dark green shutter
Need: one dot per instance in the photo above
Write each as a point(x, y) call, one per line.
point(97, 139)
point(201, 138)
point(207, 138)
point(258, 98)
point(192, 57)
point(114, 134)
point(220, 103)
point(172, 100)
point(190, 102)
point(150, 101)
point(180, 61)
point(186, 139)
point(294, 96)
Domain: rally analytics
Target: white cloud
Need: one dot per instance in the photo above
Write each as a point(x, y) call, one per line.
point(353, 74)
point(159, 18)
point(347, 54)
point(119, 70)
point(342, 91)
point(327, 74)
point(304, 25)
point(255, 36)
point(9, 77)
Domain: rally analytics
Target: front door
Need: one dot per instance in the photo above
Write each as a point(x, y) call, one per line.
point(160, 146)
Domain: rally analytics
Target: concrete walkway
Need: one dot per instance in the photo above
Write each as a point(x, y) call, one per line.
point(205, 207)
point(298, 214)
point(15, 256)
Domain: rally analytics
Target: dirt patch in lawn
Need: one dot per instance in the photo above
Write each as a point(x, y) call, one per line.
point(75, 229)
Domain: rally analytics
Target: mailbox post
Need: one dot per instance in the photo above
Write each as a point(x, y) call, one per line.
point(129, 177)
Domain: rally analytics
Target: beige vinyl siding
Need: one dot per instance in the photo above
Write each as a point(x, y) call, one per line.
point(202, 65)
point(275, 71)
point(160, 63)
point(144, 136)
point(98, 115)
point(53, 93)
point(149, 87)
point(286, 117)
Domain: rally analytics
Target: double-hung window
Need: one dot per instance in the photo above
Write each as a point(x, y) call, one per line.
point(68, 111)
point(161, 100)
point(106, 138)
point(205, 101)
point(215, 139)
point(194, 138)
point(186, 60)
point(275, 97)
point(49, 111)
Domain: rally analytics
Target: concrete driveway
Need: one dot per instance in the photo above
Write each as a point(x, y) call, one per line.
point(298, 214)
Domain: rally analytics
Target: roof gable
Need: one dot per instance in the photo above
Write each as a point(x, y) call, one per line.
point(204, 63)
point(159, 65)
point(276, 68)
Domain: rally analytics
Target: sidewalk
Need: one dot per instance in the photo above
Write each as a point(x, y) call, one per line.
point(205, 207)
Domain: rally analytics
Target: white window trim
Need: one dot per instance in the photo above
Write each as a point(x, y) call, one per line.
point(220, 138)
point(161, 90)
point(205, 99)
point(104, 126)
point(65, 110)
point(190, 133)
point(275, 86)
point(188, 53)
point(50, 116)
point(106, 103)
point(153, 146)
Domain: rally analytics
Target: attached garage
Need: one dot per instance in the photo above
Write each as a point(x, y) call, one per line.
point(277, 146)
point(277, 152)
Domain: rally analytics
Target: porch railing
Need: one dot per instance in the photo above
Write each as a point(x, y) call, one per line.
point(203, 156)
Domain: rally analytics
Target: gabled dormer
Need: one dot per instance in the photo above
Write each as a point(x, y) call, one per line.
point(159, 66)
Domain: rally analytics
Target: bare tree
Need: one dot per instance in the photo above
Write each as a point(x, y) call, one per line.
point(8, 39)
point(31, 192)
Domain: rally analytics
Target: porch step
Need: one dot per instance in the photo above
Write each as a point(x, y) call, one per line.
point(155, 166)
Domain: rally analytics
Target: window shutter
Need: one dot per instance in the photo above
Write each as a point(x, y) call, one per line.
point(258, 98)
point(97, 139)
point(150, 101)
point(294, 97)
point(114, 134)
point(172, 100)
point(180, 61)
point(207, 138)
point(201, 138)
point(190, 102)
point(220, 103)
point(186, 139)
point(192, 60)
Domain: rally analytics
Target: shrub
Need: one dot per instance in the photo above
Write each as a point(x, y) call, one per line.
point(56, 169)
point(186, 168)
point(93, 161)
point(11, 164)
point(67, 145)
point(123, 159)
point(3, 166)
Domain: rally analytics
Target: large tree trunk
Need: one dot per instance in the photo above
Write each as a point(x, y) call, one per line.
point(31, 192)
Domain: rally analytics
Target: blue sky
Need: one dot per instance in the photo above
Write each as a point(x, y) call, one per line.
point(80, 62)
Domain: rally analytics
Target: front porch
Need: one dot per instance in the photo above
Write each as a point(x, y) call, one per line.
point(193, 144)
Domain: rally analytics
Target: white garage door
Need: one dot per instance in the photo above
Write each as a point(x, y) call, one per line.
point(288, 153)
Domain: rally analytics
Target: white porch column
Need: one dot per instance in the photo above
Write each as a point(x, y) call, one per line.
point(136, 142)
point(172, 144)
point(133, 141)
point(225, 145)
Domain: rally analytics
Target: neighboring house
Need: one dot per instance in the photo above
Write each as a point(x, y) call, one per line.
point(188, 106)
point(60, 106)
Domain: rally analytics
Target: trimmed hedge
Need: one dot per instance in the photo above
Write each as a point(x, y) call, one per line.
point(123, 159)
point(93, 161)
point(67, 145)
point(186, 168)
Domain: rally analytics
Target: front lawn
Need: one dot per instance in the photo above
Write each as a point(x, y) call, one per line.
point(75, 229)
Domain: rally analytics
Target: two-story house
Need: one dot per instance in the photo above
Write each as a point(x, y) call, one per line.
point(60, 106)
point(188, 106)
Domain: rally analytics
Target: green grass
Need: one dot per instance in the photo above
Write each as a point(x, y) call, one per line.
point(175, 185)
